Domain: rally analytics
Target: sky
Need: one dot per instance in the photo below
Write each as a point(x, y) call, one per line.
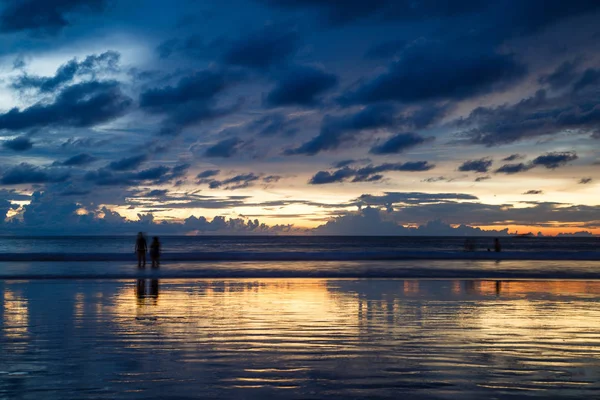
point(386, 117)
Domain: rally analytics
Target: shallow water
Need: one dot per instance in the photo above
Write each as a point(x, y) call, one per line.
point(299, 338)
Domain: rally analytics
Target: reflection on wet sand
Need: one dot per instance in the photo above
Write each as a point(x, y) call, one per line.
point(306, 337)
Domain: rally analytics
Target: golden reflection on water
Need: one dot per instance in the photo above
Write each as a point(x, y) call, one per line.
point(15, 316)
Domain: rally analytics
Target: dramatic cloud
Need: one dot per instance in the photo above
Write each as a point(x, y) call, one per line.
point(434, 70)
point(301, 86)
point(225, 148)
point(399, 143)
point(21, 143)
point(563, 76)
point(530, 118)
point(25, 173)
point(43, 16)
point(483, 165)
point(155, 175)
point(482, 178)
point(274, 124)
point(128, 163)
point(336, 130)
point(93, 64)
point(369, 173)
point(584, 181)
point(385, 50)
point(81, 105)
point(554, 160)
point(191, 101)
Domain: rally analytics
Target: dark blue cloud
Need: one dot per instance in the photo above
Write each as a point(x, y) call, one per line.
point(25, 173)
point(431, 70)
point(555, 159)
point(370, 173)
point(155, 175)
point(192, 100)
point(562, 76)
point(276, 124)
point(482, 165)
point(532, 117)
point(336, 130)
point(79, 159)
point(44, 16)
point(18, 144)
point(208, 173)
point(272, 45)
point(301, 86)
point(105, 62)
point(513, 157)
point(81, 105)
point(225, 148)
point(590, 77)
point(399, 143)
point(128, 163)
point(513, 168)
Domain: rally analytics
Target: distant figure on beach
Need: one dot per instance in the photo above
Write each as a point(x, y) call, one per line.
point(497, 247)
point(140, 249)
point(155, 252)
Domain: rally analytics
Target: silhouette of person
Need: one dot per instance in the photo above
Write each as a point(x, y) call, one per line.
point(497, 247)
point(140, 249)
point(155, 252)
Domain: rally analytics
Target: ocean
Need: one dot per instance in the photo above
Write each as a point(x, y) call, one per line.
point(299, 318)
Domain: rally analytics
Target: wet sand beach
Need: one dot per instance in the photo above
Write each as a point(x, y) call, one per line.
point(298, 338)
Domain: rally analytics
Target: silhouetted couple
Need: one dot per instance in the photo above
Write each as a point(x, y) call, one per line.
point(141, 248)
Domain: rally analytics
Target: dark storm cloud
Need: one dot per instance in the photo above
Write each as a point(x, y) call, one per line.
point(399, 143)
point(337, 129)
point(128, 163)
point(81, 105)
point(562, 76)
point(208, 173)
point(191, 101)
point(79, 159)
point(513, 168)
point(554, 160)
point(225, 148)
point(25, 173)
point(431, 70)
point(301, 86)
point(21, 143)
point(370, 173)
point(44, 16)
point(584, 181)
point(272, 45)
point(482, 165)
point(91, 65)
point(531, 117)
point(534, 192)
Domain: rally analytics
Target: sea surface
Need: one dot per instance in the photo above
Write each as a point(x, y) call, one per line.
point(299, 318)
point(299, 339)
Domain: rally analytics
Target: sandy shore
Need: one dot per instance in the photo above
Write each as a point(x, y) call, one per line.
point(298, 338)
